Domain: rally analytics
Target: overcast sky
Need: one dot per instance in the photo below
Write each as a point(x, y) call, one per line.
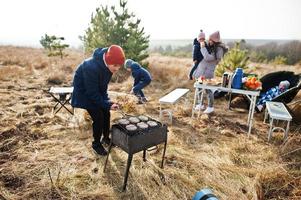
point(23, 22)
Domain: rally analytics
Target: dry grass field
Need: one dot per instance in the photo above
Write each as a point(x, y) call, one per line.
point(47, 156)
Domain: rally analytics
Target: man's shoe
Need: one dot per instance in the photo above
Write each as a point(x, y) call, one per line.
point(209, 110)
point(106, 141)
point(99, 149)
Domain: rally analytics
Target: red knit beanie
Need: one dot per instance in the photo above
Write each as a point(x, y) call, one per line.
point(114, 55)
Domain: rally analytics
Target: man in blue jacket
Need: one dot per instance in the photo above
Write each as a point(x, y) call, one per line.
point(90, 84)
point(142, 78)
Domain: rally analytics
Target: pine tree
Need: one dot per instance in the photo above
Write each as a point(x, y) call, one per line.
point(53, 45)
point(235, 57)
point(108, 26)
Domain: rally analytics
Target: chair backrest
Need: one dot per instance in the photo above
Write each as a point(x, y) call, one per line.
point(273, 79)
point(288, 95)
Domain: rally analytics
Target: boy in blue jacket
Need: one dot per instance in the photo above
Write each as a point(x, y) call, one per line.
point(90, 84)
point(142, 78)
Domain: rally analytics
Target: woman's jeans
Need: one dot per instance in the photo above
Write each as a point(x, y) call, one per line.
point(210, 97)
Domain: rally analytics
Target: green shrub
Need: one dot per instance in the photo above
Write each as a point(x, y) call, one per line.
point(117, 26)
point(235, 57)
point(53, 45)
point(279, 60)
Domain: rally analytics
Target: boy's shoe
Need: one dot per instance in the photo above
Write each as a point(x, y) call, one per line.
point(200, 107)
point(209, 110)
point(140, 102)
point(99, 149)
point(144, 99)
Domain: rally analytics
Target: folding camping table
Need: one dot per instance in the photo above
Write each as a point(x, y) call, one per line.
point(200, 88)
point(62, 96)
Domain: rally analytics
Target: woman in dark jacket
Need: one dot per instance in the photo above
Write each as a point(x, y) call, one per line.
point(142, 78)
point(90, 84)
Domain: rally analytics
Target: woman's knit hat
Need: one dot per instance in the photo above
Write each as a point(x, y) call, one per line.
point(201, 35)
point(215, 37)
point(128, 63)
point(114, 55)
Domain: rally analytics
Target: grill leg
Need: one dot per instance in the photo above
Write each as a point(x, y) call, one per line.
point(164, 150)
point(144, 155)
point(110, 147)
point(128, 165)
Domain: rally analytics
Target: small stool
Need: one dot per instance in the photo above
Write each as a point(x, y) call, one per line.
point(64, 96)
point(277, 111)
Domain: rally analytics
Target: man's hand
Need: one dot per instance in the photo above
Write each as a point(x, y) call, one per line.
point(114, 106)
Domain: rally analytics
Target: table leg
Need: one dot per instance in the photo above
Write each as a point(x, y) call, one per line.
point(251, 115)
point(202, 97)
point(63, 105)
point(250, 109)
point(265, 115)
point(271, 128)
point(54, 108)
point(230, 98)
point(286, 130)
point(194, 101)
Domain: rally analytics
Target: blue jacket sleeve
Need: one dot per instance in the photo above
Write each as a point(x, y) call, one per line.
point(196, 50)
point(91, 84)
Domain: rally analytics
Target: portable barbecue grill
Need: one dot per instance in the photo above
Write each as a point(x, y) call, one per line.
point(135, 141)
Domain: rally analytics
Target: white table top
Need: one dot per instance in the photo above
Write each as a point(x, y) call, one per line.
point(277, 110)
point(173, 96)
point(61, 90)
point(226, 89)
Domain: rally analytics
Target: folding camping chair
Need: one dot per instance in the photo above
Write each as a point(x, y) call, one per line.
point(62, 96)
point(273, 79)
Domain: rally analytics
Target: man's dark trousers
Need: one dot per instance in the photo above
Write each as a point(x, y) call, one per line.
point(101, 123)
